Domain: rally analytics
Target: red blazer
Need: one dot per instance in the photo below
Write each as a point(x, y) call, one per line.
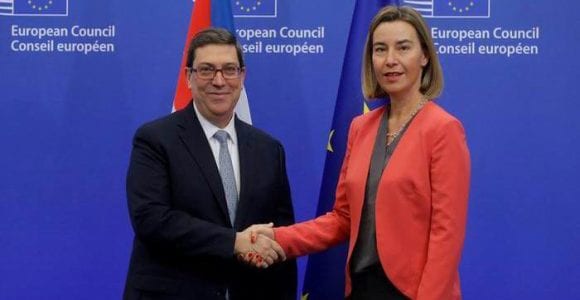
point(421, 205)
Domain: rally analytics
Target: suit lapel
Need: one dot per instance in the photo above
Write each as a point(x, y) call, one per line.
point(196, 143)
point(248, 165)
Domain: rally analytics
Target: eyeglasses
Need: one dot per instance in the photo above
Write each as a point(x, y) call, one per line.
point(208, 72)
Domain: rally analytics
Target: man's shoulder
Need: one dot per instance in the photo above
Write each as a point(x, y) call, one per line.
point(164, 122)
point(164, 125)
point(256, 134)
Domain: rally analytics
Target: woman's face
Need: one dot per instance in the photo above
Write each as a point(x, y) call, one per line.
point(398, 58)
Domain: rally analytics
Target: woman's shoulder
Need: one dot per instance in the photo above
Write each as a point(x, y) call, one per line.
point(436, 122)
point(369, 117)
point(436, 115)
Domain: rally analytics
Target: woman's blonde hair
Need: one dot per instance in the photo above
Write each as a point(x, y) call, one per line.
point(432, 76)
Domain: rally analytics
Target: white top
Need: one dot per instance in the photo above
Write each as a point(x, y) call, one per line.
point(210, 129)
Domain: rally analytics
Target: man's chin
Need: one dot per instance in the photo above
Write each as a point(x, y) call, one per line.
point(222, 110)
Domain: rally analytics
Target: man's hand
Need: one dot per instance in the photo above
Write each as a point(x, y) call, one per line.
point(261, 229)
point(256, 246)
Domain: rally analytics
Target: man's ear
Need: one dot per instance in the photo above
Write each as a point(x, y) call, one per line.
point(188, 77)
point(243, 75)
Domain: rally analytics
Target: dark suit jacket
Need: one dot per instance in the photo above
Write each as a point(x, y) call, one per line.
point(183, 246)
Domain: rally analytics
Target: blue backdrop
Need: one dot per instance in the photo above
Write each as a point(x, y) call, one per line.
point(77, 78)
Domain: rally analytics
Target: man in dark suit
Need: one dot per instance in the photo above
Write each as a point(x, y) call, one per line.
point(197, 178)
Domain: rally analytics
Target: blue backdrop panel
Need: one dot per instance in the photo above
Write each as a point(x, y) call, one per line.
point(77, 78)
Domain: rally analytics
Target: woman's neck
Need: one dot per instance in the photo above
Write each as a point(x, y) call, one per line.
point(401, 107)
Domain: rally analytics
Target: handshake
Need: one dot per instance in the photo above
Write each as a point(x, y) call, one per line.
point(256, 246)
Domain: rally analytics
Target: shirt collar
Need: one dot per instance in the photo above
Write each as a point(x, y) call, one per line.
point(210, 129)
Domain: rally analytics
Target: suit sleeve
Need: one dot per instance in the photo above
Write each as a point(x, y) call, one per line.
point(285, 211)
point(286, 273)
point(450, 175)
point(154, 219)
point(327, 230)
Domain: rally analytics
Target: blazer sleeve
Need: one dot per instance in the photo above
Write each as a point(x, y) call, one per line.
point(324, 231)
point(285, 273)
point(154, 219)
point(450, 176)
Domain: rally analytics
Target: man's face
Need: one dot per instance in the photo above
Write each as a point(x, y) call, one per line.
point(216, 98)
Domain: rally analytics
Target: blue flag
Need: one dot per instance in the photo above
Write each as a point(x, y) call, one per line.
point(451, 8)
point(325, 271)
point(34, 7)
point(461, 8)
point(254, 8)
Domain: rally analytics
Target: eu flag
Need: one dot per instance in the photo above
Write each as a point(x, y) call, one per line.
point(254, 8)
point(451, 8)
point(325, 272)
point(40, 7)
point(461, 8)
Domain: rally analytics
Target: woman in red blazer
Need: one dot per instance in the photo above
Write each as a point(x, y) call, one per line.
point(401, 198)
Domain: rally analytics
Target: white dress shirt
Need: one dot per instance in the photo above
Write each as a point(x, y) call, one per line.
point(210, 129)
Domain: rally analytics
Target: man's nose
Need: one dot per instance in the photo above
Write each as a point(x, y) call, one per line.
point(218, 78)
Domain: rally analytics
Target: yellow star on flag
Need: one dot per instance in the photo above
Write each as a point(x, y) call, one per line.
point(329, 147)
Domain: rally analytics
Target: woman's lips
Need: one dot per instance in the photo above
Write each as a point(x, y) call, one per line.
point(392, 76)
